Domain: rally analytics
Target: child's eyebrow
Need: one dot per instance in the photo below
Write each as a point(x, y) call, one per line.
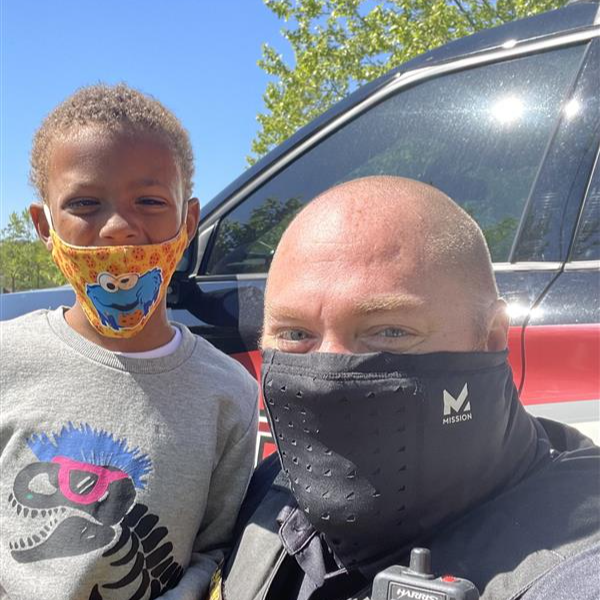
point(147, 182)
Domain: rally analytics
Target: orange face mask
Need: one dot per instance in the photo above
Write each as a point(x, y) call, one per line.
point(118, 287)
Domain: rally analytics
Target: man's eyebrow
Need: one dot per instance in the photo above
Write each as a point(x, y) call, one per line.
point(362, 307)
point(388, 303)
point(281, 312)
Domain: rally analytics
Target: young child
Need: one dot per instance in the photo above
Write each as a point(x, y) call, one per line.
point(126, 442)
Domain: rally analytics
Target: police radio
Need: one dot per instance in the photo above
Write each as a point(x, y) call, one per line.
point(417, 582)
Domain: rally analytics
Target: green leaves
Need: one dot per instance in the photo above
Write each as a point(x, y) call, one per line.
point(24, 261)
point(338, 45)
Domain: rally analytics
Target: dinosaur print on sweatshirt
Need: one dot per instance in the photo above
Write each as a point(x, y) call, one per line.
point(79, 496)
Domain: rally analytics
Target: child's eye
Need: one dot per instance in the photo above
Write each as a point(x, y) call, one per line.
point(151, 202)
point(81, 203)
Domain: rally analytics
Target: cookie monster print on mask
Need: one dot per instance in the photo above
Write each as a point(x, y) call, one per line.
point(80, 496)
point(123, 301)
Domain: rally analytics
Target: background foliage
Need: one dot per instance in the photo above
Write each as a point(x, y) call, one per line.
point(338, 45)
point(24, 261)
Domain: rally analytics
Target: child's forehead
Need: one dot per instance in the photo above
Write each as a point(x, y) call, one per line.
point(92, 146)
point(103, 135)
point(92, 154)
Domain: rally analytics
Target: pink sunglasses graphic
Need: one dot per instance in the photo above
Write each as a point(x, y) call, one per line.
point(86, 490)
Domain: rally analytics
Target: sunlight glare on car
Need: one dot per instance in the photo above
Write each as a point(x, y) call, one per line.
point(516, 310)
point(508, 110)
point(572, 108)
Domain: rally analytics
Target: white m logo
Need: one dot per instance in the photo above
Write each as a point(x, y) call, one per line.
point(456, 404)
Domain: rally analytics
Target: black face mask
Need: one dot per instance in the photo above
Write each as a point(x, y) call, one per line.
point(383, 449)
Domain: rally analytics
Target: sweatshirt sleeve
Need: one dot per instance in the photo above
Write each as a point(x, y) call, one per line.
point(228, 486)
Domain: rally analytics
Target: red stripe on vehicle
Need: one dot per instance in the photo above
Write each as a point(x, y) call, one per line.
point(562, 363)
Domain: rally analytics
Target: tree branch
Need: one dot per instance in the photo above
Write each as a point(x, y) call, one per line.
point(465, 13)
point(491, 8)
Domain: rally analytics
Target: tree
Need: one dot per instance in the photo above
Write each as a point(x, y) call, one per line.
point(338, 45)
point(24, 261)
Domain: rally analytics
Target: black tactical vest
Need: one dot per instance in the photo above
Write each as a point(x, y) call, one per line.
point(504, 546)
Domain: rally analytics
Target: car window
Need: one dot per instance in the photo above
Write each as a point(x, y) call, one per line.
point(587, 240)
point(479, 135)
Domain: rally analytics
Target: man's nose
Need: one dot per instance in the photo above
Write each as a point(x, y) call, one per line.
point(336, 345)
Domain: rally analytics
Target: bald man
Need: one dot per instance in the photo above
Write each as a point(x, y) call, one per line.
point(395, 415)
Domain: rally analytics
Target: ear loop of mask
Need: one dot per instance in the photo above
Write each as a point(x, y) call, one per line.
point(48, 215)
point(185, 216)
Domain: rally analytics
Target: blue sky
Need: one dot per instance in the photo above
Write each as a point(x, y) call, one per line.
point(197, 56)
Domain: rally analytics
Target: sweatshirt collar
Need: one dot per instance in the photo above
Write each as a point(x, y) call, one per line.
point(98, 354)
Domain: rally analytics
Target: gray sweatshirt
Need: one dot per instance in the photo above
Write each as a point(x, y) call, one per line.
point(120, 478)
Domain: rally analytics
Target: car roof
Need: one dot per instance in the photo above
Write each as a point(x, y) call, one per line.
point(16, 304)
point(577, 15)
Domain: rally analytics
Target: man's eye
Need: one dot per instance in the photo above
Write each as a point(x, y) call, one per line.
point(293, 335)
point(392, 332)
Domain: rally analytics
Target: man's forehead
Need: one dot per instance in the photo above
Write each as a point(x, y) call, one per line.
point(354, 240)
point(342, 264)
point(375, 273)
point(312, 251)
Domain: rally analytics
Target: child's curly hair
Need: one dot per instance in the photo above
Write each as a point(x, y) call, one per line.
point(111, 108)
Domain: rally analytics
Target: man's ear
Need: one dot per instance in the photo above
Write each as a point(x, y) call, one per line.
point(192, 219)
point(38, 216)
point(497, 338)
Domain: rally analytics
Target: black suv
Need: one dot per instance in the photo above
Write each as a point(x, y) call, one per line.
point(507, 123)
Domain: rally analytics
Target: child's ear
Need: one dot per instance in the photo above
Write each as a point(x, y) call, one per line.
point(193, 218)
point(36, 210)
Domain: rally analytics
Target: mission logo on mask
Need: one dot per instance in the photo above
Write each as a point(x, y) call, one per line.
point(460, 406)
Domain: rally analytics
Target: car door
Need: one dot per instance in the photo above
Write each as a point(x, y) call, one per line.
point(487, 130)
point(562, 339)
